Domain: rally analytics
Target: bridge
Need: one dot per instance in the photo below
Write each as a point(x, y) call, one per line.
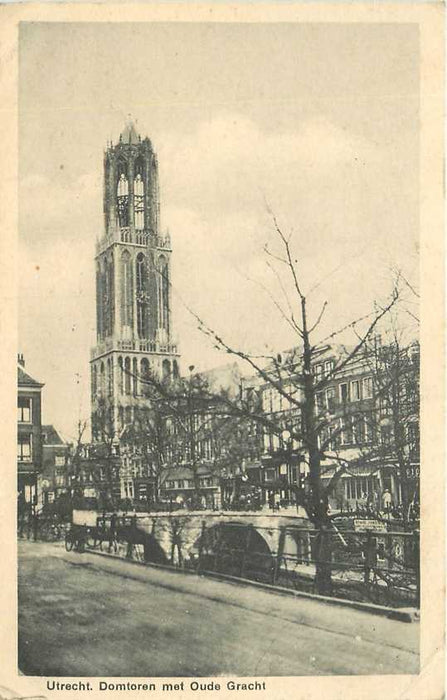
point(224, 540)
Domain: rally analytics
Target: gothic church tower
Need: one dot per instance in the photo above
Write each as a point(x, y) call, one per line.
point(133, 298)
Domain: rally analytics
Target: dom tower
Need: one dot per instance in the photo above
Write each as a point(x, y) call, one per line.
point(133, 299)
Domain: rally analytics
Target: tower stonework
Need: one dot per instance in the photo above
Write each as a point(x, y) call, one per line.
point(133, 289)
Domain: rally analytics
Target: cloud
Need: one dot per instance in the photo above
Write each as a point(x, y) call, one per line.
point(230, 163)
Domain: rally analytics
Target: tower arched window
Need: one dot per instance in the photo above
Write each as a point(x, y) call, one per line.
point(102, 380)
point(121, 375)
point(135, 376)
point(127, 377)
point(166, 369)
point(99, 301)
point(109, 377)
point(142, 295)
point(138, 196)
point(126, 289)
point(122, 195)
point(108, 297)
point(163, 293)
point(94, 380)
point(145, 373)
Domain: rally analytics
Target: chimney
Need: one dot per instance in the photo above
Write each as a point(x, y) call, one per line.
point(21, 360)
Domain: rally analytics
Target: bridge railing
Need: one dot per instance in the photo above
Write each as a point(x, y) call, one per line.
point(382, 567)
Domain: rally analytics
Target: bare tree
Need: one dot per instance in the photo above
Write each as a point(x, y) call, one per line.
point(395, 421)
point(102, 464)
point(293, 380)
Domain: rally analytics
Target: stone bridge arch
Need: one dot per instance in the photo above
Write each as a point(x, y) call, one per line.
point(236, 548)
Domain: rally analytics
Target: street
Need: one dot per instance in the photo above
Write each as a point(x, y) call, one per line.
point(89, 615)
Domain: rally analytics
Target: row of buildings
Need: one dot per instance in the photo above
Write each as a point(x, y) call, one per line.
point(158, 437)
point(43, 457)
point(233, 461)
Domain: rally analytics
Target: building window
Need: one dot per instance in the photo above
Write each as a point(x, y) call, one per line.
point(24, 410)
point(385, 434)
point(330, 399)
point(328, 367)
point(334, 438)
point(344, 393)
point(24, 452)
point(367, 387)
point(355, 391)
point(343, 432)
point(367, 429)
point(360, 487)
point(59, 461)
point(319, 402)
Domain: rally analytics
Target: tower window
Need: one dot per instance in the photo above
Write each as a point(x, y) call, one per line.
point(110, 377)
point(163, 294)
point(102, 380)
point(135, 377)
point(121, 374)
point(142, 296)
point(126, 289)
point(127, 374)
point(94, 380)
point(145, 373)
point(122, 196)
point(138, 195)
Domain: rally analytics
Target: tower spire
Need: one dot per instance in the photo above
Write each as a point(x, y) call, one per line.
point(129, 134)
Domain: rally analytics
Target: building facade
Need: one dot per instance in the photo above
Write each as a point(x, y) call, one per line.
point(29, 436)
point(53, 478)
point(133, 288)
point(367, 410)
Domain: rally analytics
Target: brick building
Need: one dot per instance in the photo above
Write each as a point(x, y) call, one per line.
point(29, 436)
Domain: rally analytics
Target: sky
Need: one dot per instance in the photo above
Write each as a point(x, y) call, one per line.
point(315, 123)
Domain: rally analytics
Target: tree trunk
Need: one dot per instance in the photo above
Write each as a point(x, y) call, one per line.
point(323, 563)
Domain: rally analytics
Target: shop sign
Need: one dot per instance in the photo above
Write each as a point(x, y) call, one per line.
point(369, 525)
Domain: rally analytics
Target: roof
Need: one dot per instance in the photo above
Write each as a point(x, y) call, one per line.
point(226, 376)
point(24, 379)
point(50, 436)
point(129, 134)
